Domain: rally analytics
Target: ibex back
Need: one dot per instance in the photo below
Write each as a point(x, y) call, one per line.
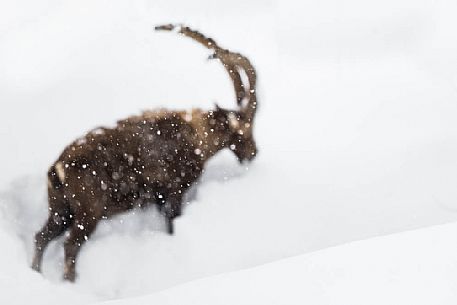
point(151, 158)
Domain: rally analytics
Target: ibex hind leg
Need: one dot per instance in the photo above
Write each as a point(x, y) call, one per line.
point(59, 220)
point(80, 232)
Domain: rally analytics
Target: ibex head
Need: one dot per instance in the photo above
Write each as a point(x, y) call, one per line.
point(236, 133)
point(234, 127)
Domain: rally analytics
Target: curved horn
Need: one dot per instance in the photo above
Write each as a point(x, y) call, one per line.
point(242, 63)
point(233, 63)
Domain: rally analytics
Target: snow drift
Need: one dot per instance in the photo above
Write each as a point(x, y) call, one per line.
point(417, 267)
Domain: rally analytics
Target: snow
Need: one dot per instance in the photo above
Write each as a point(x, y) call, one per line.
point(412, 267)
point(356, 132)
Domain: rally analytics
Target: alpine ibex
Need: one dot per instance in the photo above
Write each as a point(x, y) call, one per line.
point(151, 158)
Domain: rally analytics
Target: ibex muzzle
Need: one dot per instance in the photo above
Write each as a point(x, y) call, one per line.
point(151, 158)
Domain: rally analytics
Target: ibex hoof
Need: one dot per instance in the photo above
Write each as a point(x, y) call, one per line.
point(170, 228)
point(36, 267)
point(69, 274)
point(71, 277)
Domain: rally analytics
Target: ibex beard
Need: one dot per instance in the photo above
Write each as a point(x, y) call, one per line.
point(151, 158)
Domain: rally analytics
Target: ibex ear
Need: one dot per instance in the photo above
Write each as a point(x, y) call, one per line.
point(212, 56)
point(233, 120)
point(219, 108)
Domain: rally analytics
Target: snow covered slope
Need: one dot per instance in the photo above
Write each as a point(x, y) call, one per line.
point(356, 130)
point(417, 267)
